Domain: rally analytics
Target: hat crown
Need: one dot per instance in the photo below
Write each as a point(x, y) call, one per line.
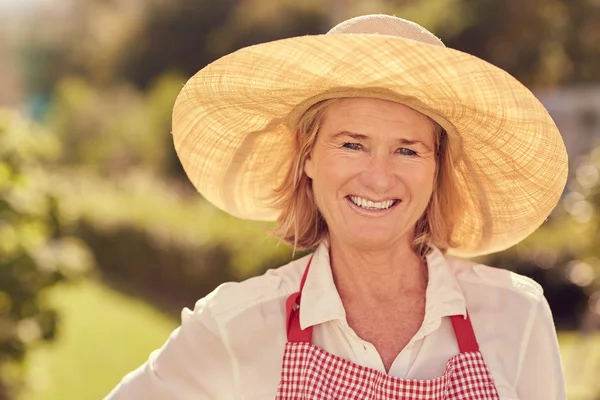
point(382, 24)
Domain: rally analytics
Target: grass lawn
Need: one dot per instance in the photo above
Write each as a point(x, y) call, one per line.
point(105, 335)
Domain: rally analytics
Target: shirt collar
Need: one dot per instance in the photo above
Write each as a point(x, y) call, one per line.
point(321, 302)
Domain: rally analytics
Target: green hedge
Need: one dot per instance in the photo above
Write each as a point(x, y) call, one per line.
point(162, 242)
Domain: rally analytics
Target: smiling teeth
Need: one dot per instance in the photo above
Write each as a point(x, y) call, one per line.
point(369, 205)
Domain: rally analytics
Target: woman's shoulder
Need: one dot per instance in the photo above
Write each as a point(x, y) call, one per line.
point(232, 298)
point(472, 275)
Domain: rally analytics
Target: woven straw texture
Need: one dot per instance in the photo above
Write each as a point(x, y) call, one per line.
point(233, 123)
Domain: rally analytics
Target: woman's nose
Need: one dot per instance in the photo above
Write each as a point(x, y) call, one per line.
point(378, 174)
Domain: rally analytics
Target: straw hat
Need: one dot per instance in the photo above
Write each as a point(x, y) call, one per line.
point(233, 122)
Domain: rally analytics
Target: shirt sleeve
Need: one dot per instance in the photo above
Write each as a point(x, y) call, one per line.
point(193, 364)
point(541, 372)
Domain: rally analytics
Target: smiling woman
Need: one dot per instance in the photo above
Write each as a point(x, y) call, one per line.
point(388, 154)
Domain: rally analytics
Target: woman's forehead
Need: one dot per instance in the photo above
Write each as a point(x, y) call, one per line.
point(368, 113)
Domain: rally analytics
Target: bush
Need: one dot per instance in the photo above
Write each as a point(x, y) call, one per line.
point(112, 129)
point(36, 251)
point(152, 239)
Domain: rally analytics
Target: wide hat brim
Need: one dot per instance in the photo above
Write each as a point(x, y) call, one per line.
point(233, 124)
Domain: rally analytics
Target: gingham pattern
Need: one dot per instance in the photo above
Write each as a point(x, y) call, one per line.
point(313, 374)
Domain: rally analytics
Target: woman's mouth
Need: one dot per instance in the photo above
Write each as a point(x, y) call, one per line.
point(367, 204)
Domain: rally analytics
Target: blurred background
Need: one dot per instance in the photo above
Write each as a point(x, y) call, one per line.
point(103, 240)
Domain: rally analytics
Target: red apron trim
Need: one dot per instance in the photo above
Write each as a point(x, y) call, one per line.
point(292, 306)
point(463, 329)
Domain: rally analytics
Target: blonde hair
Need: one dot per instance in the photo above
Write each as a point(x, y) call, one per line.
point(301, 224)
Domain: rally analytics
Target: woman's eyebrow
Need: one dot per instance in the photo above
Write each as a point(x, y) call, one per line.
point(360, 136)
point(413, 142)
point(353, 135)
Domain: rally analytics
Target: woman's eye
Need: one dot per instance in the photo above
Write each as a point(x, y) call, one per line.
point(407, 152)
point(352, 146)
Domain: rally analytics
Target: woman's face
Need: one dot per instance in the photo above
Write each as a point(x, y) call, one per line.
point(372, 171)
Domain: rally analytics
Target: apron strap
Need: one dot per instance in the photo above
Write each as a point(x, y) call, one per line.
point(463, 329)
point(465, 336)
point(292, 310)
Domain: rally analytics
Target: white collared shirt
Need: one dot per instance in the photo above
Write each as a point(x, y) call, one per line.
point(231, 345)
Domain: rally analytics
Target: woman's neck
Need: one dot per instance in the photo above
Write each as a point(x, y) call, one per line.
point(377, 275)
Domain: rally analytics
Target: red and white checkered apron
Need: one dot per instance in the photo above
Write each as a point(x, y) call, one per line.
point(311, 373)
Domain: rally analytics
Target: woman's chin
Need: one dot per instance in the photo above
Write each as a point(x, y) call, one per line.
point(372, 239)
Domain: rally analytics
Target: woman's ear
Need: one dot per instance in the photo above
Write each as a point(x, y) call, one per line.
point(309, 167)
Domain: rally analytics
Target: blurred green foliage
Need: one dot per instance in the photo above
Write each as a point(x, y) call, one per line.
point(541, 42)
point(111, 129)
point(544, 43)
point(36, 250)
point(154, 241)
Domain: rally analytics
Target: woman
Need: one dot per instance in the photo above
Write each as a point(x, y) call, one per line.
point(386, 152)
